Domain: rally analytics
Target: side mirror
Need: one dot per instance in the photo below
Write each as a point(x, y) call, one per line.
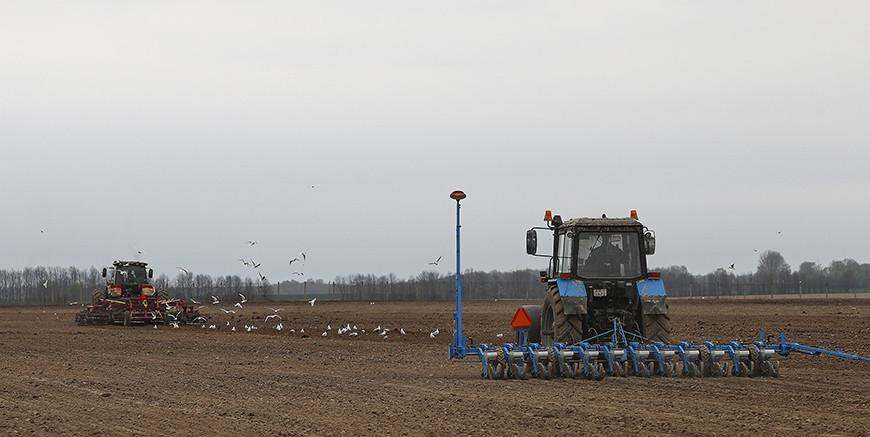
point(104, 272)
point(649, 242)
point(150, 273)
point(531, 242)
point(557, 221)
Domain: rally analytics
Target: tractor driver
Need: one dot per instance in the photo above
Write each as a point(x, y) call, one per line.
point(607, 259)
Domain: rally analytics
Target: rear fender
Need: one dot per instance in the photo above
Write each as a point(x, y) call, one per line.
point(652, 296)
point(573, 294)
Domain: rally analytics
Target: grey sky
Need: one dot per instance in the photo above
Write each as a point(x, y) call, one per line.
point(184, 129)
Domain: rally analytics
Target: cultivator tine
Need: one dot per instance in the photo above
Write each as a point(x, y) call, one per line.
point(595, 362)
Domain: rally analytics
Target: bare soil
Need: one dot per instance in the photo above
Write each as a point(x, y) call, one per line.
point(62, 379)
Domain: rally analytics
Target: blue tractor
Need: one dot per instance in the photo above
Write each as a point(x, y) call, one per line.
point(597, 274)
point(606, 314)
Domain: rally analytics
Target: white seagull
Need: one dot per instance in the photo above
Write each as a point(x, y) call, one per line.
point(312, 301)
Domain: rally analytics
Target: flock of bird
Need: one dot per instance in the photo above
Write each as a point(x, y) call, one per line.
point(276, 321)
point(232, 325)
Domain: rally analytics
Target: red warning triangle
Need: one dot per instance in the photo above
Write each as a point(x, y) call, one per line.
point(521, 319)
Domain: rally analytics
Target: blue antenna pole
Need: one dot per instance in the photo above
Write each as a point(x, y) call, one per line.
point(457, 347)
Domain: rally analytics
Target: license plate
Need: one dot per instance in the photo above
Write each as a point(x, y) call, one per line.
point(599, 292)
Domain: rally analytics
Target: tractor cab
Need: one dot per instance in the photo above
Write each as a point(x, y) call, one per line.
point(597, 272)
point(128, 279)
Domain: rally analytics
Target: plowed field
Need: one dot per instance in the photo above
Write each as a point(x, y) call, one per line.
point(62, 379)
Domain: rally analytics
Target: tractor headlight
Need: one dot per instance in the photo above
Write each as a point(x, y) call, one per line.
point(147, 290)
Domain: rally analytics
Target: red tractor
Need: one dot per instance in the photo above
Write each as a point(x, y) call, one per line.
point(130, 298)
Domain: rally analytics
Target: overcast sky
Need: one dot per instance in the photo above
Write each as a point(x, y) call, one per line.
point(183, 129)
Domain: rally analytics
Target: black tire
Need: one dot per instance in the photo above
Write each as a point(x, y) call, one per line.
point(556, 326)
point(99, 294)
point(534, 312)
point(657, 327)
point(161, 295)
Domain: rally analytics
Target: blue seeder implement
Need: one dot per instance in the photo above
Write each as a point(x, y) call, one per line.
point(618, 352)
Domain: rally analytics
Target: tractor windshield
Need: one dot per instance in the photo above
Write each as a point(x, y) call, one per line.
point(130, 275)
point(608, 255)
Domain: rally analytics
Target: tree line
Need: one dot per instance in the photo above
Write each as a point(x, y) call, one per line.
point(71, 285)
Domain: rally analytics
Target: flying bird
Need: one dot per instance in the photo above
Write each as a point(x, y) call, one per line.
point(252, 242)
point(193, 301)
point(183, 270)
point(215, 300)
point(293, 261)
point(304, 256)
point(273, 316)
point(275, 310)
point(244, 299)
point(299, 273)
point(226, 311)
point(402, 331)
point(324, 334)
point(732, 266)
point(434, 333)
point(435, 263)
point(312, 301)
point(262, 276)
point(45, 284)
point(238, 304)
point(245, 262)
point(254, 264)
point(73, 303)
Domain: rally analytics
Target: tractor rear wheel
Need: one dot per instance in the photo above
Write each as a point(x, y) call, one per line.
point(657, 327)
point(556, 326)
point(99, 294)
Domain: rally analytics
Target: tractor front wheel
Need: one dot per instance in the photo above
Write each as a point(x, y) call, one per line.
point(556, 326)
